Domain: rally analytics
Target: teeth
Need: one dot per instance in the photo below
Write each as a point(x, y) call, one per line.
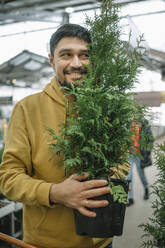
point(75, 74)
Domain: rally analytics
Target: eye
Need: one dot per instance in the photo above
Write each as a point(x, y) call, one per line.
point(84, 55)
point(66, 54)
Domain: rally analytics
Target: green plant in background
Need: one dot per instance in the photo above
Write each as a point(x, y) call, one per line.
point(96, 135)
point(1, 153)
point(154, 230)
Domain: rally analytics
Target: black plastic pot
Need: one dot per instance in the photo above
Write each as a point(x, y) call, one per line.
point(109, 220)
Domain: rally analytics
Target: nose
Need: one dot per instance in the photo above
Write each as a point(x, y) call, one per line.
point(75, 62)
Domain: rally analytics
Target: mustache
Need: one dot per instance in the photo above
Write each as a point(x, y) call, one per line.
point(78, 70)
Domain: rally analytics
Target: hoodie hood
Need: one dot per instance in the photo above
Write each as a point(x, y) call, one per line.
point(54, 90)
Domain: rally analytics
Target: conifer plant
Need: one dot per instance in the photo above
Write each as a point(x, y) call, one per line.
point(96, 136)
point(154, 229)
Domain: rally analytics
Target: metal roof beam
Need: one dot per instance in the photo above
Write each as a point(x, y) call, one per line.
point(48, 4)
point(129, 1)
point(22, 18)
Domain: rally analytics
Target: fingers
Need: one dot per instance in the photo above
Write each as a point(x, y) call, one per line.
point(90, 183)
point(95, 183)
point(95, 203)
point(79, 177)
point(86, 212)
point(91, 204)
point(76, 194)
point(96, 192)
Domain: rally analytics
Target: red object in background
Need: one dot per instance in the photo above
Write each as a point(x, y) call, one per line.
point(135, 137)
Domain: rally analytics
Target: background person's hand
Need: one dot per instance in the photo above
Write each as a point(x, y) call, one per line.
point(76, 194)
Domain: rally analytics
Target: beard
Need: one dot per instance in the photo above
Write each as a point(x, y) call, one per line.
point(69, 85)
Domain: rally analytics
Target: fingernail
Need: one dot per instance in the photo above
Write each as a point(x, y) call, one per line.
point(105, 181)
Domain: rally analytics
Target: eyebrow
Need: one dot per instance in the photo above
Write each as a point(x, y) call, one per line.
point(69, 50)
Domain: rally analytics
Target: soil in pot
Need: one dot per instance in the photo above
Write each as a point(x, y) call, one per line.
point(109, 220)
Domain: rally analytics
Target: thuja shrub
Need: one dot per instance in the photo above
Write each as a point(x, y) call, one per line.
point(97, 132)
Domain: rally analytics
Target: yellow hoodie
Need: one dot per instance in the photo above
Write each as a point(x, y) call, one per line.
point(27, 172)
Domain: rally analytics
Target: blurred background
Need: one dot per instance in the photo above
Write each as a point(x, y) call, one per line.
point(25, 29)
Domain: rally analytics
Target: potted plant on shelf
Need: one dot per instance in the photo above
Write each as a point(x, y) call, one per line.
point(96, 136)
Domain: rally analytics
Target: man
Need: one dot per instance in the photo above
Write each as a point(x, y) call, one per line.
point(28, 175)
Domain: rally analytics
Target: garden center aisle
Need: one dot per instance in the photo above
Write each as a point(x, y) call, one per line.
point(137, 213)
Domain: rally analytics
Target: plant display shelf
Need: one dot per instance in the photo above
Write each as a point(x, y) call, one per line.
point(10, 208)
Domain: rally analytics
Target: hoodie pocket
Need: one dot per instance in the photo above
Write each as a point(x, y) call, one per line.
point(34, 216)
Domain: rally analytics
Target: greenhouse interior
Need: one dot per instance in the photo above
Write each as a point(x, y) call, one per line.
point(26, 28)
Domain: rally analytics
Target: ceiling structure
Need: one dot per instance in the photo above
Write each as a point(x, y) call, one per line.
point(12, 11)
point(155, 61)
point(24, 70)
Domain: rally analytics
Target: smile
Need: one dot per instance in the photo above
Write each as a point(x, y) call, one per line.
point(75, 75)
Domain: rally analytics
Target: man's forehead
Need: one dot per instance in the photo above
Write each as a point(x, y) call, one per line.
point(71, 43)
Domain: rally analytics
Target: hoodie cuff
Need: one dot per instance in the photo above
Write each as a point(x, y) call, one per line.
point(43, 194)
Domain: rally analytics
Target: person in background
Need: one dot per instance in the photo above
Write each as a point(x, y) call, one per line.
point(29, 176)
point(140, 156)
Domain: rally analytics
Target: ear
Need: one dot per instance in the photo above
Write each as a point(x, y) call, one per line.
point(51, 61)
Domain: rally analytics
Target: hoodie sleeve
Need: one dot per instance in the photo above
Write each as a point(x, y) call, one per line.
point(16, 181)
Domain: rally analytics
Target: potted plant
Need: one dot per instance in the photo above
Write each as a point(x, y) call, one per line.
point(154, 230)
point(96, 136)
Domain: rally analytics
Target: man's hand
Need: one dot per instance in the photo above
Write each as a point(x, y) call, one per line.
point(75, 194)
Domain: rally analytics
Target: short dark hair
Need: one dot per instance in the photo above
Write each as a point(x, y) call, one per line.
point(68, 30)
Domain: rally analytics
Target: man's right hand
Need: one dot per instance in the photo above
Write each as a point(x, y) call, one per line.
point(73, 193)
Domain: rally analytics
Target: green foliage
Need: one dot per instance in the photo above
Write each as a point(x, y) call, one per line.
point(154, 230)
point(147, 139)
point(118, 193)
point(96, 135)
point(1, 153)
point(114, 63)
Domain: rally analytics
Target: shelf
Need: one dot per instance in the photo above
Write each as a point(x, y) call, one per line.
point(8, 207)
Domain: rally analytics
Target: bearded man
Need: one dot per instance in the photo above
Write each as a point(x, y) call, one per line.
point(29, 176)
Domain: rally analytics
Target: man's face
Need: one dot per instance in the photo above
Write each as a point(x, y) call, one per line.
point(71, 56)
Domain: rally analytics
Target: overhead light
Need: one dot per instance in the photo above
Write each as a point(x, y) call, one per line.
point(69, 10)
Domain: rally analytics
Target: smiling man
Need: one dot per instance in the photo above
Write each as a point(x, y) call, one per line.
point(69, 60)
point(29, 176)
point(69, 54)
